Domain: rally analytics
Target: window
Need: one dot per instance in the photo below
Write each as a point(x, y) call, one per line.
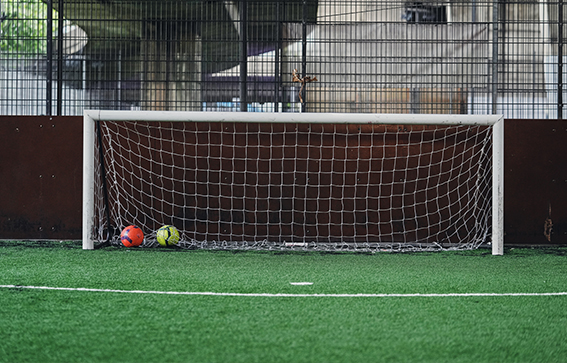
point(418, 12)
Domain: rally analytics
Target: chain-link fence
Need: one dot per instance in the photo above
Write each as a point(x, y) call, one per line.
point(60, 57)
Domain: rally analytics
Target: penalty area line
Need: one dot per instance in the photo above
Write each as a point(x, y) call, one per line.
point(210, 293)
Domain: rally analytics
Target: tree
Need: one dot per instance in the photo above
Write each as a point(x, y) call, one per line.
point(24, 27)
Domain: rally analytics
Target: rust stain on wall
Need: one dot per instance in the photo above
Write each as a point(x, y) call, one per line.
point(548, 226)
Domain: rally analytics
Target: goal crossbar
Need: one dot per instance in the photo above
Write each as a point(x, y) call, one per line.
point(284, 117)
point(495, 121)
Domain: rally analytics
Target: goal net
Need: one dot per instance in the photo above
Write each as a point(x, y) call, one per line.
point(295, 180)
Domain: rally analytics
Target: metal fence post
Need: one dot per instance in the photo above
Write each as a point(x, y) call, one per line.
point(277, 79)
point(243, 57)
point(495, 28)
point(49, 64)
point(60, 24)
point(560, 60)
point(304, 52)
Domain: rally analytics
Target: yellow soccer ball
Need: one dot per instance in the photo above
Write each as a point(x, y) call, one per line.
point(168, 236)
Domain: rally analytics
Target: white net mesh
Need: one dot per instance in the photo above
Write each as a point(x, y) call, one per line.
point(296, 186)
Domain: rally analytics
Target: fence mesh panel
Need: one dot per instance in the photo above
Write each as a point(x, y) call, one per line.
point(61, 57)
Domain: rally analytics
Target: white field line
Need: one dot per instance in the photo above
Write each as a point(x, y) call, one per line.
point(207, 293)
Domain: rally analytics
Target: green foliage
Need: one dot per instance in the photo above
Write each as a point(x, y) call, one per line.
point(24, 29)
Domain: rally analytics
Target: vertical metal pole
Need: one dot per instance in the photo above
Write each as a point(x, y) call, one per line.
point(84, 80)
point(243, 57)
point(88, 181)
point(498, 188)
point(49, 64)
point(277, 59)
point(286, 89)
point(560, 60)
point(474, 11)
point(495, 8)
point(304, 53)
point(119, 86)
point(60, 23)
point(472, 82)
point(533, 83)
point(167, 36)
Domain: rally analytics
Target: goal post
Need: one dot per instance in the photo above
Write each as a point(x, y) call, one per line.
point(295, 180)
point(498, 187)
point(88, 180)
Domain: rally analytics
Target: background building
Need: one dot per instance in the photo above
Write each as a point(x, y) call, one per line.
point(368, 56)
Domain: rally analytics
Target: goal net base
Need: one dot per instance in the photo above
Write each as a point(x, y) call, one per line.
point(324, 247)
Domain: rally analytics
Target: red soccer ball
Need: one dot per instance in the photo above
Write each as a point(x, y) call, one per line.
point(132, 236)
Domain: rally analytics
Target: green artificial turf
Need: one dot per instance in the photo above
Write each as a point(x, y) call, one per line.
point(86, 326)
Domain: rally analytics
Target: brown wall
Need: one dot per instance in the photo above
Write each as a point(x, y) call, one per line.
point(41, 179)
point(535, 181)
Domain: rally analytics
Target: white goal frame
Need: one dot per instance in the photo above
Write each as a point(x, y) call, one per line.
point(496, 121)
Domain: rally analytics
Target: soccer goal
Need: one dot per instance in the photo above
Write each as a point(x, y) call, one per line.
point(317, 181)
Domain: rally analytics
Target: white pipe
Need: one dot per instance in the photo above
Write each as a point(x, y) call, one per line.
point(498, 188)
point(88, 181)
point(277, 117)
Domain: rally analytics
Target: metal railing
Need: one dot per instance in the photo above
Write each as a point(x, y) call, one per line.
point(61, 57)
